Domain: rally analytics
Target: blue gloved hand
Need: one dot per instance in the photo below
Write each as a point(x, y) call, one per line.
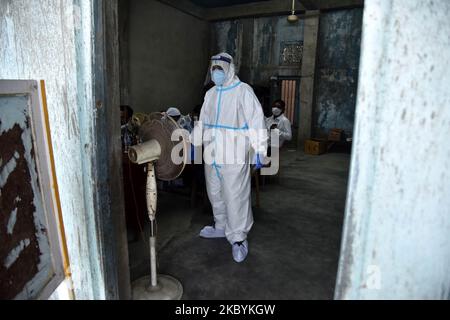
point(258, 161)
point(192, 153)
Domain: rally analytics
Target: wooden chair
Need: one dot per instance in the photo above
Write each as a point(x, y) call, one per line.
point(255, 175)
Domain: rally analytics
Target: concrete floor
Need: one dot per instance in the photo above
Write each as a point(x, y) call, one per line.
point(294, 244)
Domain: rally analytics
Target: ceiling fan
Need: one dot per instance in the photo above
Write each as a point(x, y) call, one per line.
point(293, 17)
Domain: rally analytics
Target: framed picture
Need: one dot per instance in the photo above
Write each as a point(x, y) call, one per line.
point(291, 53)
point(31, 231)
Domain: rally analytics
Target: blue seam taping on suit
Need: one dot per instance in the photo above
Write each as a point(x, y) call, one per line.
point(219, 126)
point(215, 141)
point(217, 167)
point(221, 89)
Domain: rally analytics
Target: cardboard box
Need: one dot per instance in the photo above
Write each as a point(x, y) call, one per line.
point(315, 146)
point(336, 135)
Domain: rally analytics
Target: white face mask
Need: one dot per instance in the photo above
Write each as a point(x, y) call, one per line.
point(276, 111)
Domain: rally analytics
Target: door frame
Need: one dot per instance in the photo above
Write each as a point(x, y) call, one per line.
point(109, 205)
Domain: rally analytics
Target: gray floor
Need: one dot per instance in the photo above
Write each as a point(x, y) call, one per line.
point(294, 244)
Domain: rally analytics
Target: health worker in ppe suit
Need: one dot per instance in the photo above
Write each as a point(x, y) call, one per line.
point(233, 124)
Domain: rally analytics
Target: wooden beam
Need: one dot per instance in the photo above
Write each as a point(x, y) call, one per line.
point(253, 9)
point(263, 8)
point(339, 4)
point(310, 4)
point(187, 7)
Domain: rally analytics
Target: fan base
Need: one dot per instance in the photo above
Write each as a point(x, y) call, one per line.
point(168, 288)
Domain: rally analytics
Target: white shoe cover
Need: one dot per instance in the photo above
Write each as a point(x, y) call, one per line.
point(240, 251)
point(209, 232)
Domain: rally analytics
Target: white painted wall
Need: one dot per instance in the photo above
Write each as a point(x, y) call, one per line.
point(51, 40)
point(396, 241)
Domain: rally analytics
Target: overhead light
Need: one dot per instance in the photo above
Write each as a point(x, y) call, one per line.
point(293, 17)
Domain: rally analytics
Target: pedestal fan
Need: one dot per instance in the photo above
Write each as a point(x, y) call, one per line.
point(156, 151)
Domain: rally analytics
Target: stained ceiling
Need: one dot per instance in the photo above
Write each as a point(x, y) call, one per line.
point(222, 3)
point(215, 10)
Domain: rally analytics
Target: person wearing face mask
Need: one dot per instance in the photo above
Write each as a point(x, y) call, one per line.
point(231, 109)
point(279, 122)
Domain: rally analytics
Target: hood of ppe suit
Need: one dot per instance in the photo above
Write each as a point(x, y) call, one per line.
point(228, 67)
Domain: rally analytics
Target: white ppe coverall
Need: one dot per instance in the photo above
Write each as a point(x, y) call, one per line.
point(231, 113)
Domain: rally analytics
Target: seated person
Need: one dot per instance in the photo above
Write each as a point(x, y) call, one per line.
point(127, 132)
point(184, 122)
point(279, 122)
point(134, 180)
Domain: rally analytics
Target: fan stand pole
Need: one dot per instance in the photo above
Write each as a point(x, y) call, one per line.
point(155, 287)
point(153, 273)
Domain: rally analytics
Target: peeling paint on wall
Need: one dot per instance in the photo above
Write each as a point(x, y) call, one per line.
point(52, 40)
point(396, 242)
point(337, 70)
point(337, 67)
point(256, 45)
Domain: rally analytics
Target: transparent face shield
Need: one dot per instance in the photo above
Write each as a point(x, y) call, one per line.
point(225, 62)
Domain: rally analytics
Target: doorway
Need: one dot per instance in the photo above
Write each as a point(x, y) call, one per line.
point(397, 218)
point(295, 241)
